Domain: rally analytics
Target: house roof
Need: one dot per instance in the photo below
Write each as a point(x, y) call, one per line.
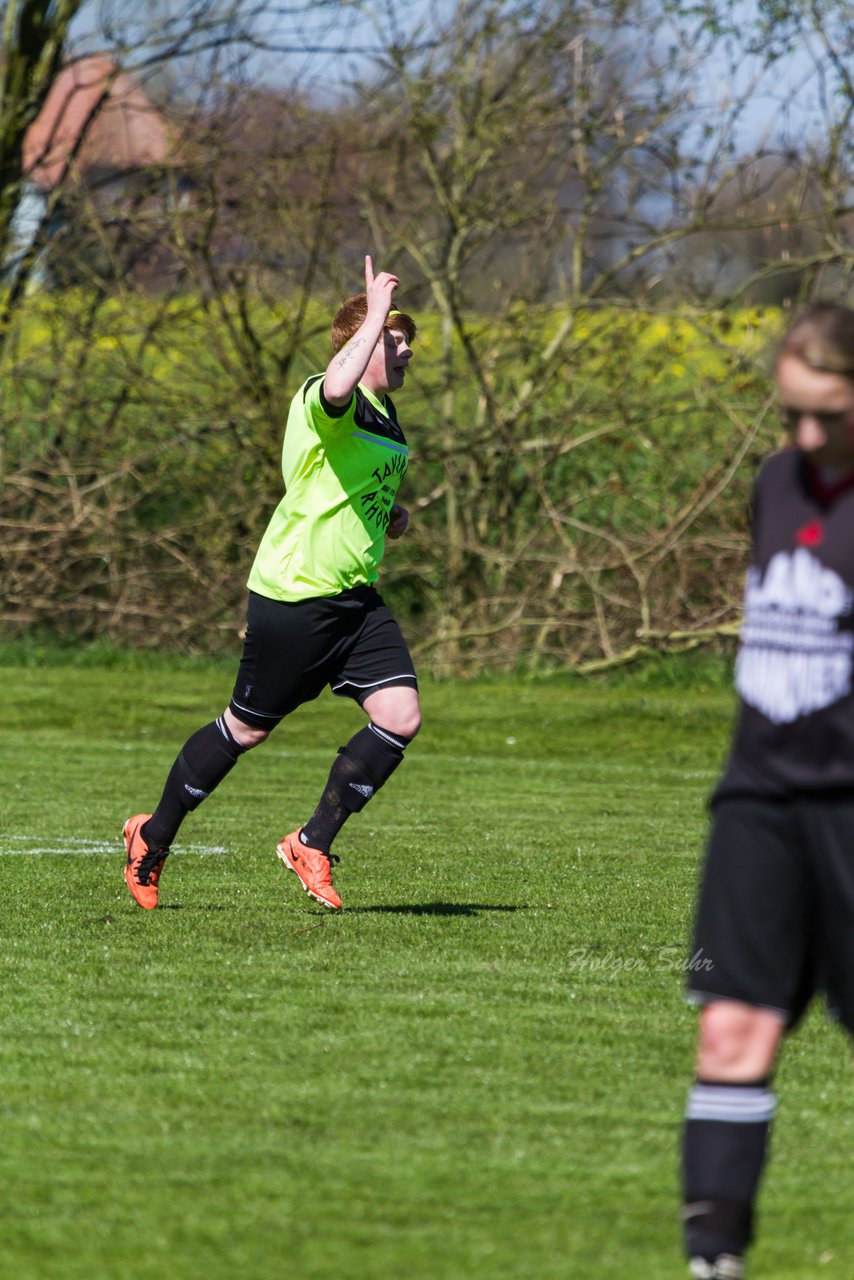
point(126, 132)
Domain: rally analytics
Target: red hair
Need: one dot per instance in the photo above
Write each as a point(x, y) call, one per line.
point(351, 315)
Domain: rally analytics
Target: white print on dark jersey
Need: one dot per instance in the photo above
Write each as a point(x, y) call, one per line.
point(794, 659)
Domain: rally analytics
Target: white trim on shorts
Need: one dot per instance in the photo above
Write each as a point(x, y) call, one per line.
point(373, 684)
point(265, 715)
point(702, 998)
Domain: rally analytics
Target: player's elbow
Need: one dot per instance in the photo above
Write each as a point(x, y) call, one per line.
point(336, 391)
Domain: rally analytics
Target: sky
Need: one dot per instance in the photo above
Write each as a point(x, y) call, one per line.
point(303, 40)
point(305, 43)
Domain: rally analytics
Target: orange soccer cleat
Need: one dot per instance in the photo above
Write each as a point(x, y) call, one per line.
point(313, 867)
point(143, 866)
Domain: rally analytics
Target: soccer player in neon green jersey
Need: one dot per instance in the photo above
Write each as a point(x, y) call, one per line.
point(315, 617)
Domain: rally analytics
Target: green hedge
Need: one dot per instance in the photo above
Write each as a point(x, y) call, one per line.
point(141, 444)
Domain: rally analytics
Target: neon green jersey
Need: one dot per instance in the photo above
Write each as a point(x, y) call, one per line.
point(342, 467)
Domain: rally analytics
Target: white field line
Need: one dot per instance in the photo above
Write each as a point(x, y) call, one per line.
point(18, 846)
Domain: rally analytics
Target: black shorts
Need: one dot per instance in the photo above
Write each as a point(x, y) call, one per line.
point(291, 652)
point(775, 916)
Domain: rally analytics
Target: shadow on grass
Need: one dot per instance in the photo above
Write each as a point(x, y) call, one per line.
point(385, 908)
point(432, 908)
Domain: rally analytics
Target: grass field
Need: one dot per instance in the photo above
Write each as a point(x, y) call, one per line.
point(476, 1071)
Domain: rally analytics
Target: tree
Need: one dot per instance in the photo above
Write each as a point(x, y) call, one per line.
point(529, 173)
point(560, 191)
point(119, 404)
point(35, 33)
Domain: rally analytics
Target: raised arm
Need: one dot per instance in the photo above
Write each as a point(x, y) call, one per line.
point(347, 365)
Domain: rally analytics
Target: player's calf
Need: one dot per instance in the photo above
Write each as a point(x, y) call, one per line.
point(361, 767)
point(724, 1146)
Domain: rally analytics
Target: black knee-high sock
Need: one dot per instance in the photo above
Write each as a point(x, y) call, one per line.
point(724, 1147)
point(368, 760)
point(203, 762)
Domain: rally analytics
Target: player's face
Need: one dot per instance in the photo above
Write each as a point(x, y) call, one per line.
point(387, 366)
point(819, 411)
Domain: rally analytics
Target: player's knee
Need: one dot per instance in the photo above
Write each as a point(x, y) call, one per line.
point(400, 718)
point(737, 1041)
point(246, 735)
point(396, 709)
point(408, 722)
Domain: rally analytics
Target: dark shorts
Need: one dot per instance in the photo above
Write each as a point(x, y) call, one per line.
point(775, 916)
point(292, 652)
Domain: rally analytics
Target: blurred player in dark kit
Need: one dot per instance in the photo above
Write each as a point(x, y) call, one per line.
point(775, 914)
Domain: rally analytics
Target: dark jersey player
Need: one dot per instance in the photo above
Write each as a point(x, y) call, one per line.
point(775, 916)
point(314, 616)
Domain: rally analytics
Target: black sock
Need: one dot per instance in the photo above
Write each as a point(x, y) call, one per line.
point(202, 764)
point(724, 1147)
point(368, 760)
